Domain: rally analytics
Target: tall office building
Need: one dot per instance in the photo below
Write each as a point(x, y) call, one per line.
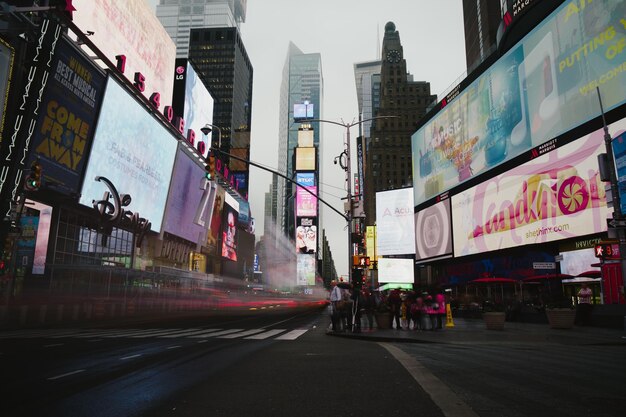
point(481, 19)
point(178, 17)
point(302, 82)
point(388, 154)
point(364, 78)
point(222, 63)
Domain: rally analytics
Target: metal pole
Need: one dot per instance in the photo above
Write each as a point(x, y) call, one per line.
point(349, 197)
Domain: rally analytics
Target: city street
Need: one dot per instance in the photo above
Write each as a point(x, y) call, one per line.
point(286, 364)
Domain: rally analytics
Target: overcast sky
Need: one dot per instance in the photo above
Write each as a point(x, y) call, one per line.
point(344, 32)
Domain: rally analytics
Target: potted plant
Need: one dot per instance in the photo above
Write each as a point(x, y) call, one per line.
point(383, 315)
point(493, 315)
point(561, 314)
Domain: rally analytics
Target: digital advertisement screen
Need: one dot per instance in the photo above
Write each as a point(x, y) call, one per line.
point(305, 274)
point(43, 235)
point(306, 235)
point(306, 204)
point(370, 241)
point(303, 111)
point(64, 130)
point(215, 227)
point(198, 107)
point(131, 28)
point(305, 159)
point(578, 261)
point(395, 223)
point(184, 199)
point(557, 195)
point(134, 151)
point(229, 233)
point(433, 235)
point(395, 270)
point(619, 155)
point(541, 88)
point(306, 138)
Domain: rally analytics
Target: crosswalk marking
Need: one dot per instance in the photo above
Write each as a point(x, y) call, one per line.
point(292, 335)
point(242, 334)
point(250, 334)
point(266, 334)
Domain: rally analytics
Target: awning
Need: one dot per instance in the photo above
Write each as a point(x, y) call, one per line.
point(590, 274)
point(581, 280)
point(493, 281)
point(536, 278)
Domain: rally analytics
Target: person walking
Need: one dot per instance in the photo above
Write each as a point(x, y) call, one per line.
point(583, 313)
point(417, 308)
point(395, 302)
point(368, 304)
point(335, 298)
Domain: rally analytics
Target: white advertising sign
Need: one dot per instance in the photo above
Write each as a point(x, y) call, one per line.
point(395, 222)
point(395, 270)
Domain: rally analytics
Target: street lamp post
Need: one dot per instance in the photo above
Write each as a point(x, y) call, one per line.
point(348, 170)
point(207, 129)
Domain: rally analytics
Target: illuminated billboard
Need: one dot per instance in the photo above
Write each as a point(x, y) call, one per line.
point(306, 204)
point(395, 222)
point(229, 229)
point(64, 130)
point(130, 28)
point(215, 227)
point(303, 111)
point(557, 195)
point(198, 104)
point(543, 87)
point(395, 270)
point(306, 269)
point(433, 235)
point(184, 199)
point(134, 151)
point(305, 159)
point(306, 235)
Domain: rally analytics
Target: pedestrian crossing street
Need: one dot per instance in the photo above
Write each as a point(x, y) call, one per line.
point(195, 334)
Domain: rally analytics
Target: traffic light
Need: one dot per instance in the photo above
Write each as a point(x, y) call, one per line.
point(33, 181)
point(210, 168)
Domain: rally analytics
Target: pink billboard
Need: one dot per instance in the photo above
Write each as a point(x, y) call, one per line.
point(306, 203)
point(557, 195)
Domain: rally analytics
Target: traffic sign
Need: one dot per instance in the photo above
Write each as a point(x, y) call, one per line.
point(617, 223)
point(544, 265)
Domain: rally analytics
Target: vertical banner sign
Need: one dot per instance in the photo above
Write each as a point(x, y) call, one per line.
point(28, 110)
point(619, 153)
point(359, 160)
point(65, 128)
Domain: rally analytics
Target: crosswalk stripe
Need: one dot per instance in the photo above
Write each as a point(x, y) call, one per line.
point(155, 334)
point(187, 334)
point(109, 333)
point(135, 333)
point(215, 334)
point(266, 334)
point(241, 334)
point(292, 335)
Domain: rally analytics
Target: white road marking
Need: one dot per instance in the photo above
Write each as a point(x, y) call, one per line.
point(53, 345)
point(64, 375)
point(196, 331)
point(266, 334)
point(213, 334)
point(130, 357)
point(173, 347)
point(292, 335)
point(241, 334)
point(449, 403)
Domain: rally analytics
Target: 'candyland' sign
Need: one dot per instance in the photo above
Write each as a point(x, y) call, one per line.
point(555, 196)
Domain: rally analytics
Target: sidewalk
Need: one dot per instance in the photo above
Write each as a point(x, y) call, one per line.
point(473, 331)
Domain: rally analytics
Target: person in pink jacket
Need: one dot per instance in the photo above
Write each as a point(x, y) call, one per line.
point(440, 301)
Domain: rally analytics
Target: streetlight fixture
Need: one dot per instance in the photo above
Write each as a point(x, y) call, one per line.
point(208, 128)
point(348, 169)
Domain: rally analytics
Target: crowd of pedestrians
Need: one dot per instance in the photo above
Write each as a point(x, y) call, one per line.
point(354, 309)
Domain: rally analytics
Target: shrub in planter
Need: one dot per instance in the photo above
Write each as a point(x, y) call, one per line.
point(383, 316)
point(561, 314)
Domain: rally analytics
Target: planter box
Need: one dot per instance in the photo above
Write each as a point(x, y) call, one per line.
point(494, 320)
point(561, 318)
point(383, 320)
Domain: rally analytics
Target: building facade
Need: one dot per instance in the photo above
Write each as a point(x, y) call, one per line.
point(481, 19)
point(388, 150)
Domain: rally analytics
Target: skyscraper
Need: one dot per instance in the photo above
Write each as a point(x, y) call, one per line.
point(178, 17)
point(302, 82)
point(388, 151)
point(364, 77)
point(481, 19)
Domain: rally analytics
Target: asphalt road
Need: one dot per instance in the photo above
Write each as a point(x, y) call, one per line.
point(284, 364)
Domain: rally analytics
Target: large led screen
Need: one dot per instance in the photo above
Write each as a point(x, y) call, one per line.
point(306, 235)
point(229, 230)
point(198, 107)
point(130, 28)
point(395, 222)
point(305, 274)
point(558, 195)
point(306, 204)
point(134, 151)
point(305, 159)
point(184, 198)
point(433, 236)
point(62, 136)
point(541, 88)
point(395, 270)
